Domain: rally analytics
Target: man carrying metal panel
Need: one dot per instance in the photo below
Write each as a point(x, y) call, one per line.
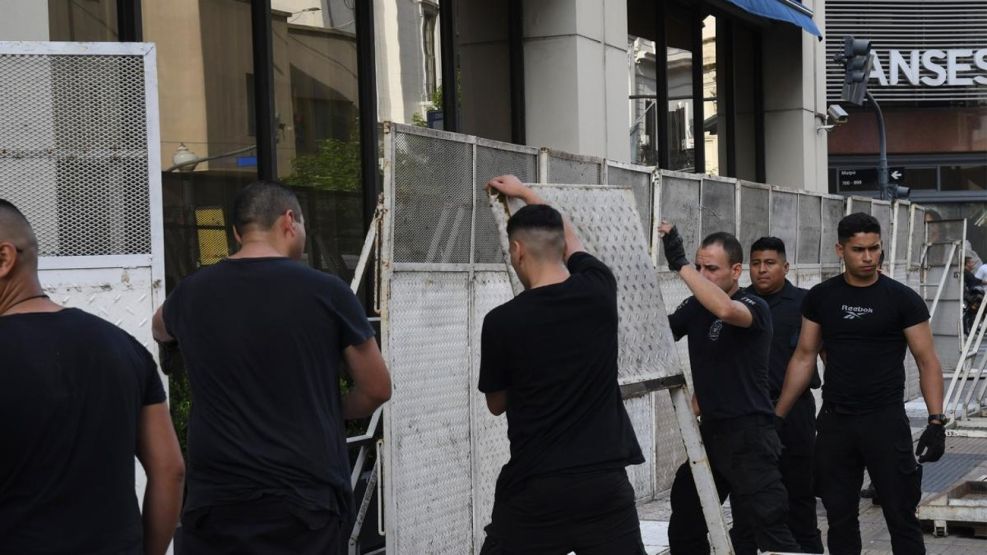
point(729, 333)
point(79, 398)
point(549, 359)
point(866, 320)
point(768, 271)
point(263, 338)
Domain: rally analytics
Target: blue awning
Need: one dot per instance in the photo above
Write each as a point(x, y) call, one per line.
point(789, 11)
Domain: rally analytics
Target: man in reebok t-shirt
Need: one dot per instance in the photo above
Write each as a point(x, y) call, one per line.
point(549, 359)
point(866, 320)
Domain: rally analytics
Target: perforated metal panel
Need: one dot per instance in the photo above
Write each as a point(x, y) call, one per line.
point(856, 204)
point(808, 277)
point(719, 206)
point(669, 451)
point(640, 180)
point(833, 211)
point(901, 216)
point(74, 150)
point(433, 199)
point(679, 204)
point(642, 416)
point(754, 214)
point(809, 229)
point(881, 210)
point(571, 168)
point(491, 449)
point(784, 218)
point(605, 219)
point(492, 161)
point(918, 236)
point(430, 468)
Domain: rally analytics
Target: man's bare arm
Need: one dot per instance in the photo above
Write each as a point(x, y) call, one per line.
point(371, 380)
point(159, 453)
point(497, 402)
point(920, 343)
point(158, 329)
point(801, 367)
point(511, 187)
point(716, 300)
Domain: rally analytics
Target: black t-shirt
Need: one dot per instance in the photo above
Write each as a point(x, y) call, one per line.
point(729, 363)
point(786, 321)
point(262, 340)
point(554, 350)
point(72, 387)
point(863, 334)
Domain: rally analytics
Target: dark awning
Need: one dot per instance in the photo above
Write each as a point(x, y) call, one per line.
point(789, 11)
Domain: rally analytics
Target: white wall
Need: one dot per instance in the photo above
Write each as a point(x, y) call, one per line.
point(23, 20)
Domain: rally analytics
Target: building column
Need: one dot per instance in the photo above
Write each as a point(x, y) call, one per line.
point(576, 75)
point(794, 92)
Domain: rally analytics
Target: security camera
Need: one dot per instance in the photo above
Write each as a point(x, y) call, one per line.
point(837, 114)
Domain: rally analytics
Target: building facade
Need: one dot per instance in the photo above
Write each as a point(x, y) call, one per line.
point(930, 77)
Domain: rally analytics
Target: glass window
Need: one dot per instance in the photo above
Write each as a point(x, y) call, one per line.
point(317, 105)
point(963, 177)
point(713, 126)
point(643, 93)
point(82, 20)
point(920, 178)
point(681, 140)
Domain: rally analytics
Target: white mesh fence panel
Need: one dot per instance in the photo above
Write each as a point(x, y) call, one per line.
point(719, 206)
point(809, 229)
point(755, 210)
point(74, 152)
point(571, 168)
point(784, 218)
point(640, 179)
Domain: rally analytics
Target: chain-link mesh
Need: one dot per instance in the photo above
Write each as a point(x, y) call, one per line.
point(640, 184)
point(833, 211)
point(809, 229)
point(719, 206)
point(74, 151)
point(564, 168)
point(433, 199)
point(784, 218)
point(754, 212)
point(491, 162)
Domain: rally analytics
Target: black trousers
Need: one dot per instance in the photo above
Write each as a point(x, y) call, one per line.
point(266, 526)
point(881, 442)
point(798, 438)
point(743, 453)
point(589, 513)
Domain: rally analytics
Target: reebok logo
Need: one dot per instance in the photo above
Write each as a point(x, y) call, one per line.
point(855, 312)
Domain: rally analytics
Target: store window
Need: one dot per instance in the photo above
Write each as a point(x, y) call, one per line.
point(680, 131)
point(967, 177)
point(82, 20)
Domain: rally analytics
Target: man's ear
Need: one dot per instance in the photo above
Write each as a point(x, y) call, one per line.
point(8, 259)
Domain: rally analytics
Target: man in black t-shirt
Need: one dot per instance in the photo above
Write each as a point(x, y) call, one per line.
point(263, 338)
point(866, 320)
point(79, 398)
point(549, 359)
point(768, 268)
point(729, 334)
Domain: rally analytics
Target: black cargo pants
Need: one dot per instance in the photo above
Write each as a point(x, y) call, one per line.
point(798, 438)
point(743, 453)
point(880, 441)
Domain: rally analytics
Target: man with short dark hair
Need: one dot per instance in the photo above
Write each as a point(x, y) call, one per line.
point(549, 359)
point(729, 334)
point(263, 338)
point(866, 320)
point(79, 398)
point(768, 273)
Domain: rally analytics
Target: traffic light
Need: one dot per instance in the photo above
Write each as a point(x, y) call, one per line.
point(899, 192)
point(857, 60)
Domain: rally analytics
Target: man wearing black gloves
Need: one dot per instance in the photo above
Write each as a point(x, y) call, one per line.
point(548, 358)
point(729, 333)
point(768, 271)
point(866, 320)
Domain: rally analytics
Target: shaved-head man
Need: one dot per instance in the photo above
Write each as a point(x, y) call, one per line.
point(549, 359)
point(79, 398)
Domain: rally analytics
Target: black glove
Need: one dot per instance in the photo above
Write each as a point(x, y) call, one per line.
point(932, 442)
point(674, 250)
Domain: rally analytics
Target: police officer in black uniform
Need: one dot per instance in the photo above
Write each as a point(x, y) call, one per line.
point(729, 333)
point(865, 320)
point(768, 271)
